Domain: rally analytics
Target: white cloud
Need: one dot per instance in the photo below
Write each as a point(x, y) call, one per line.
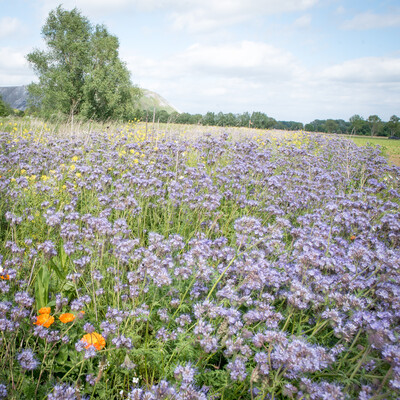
point(244, 59)
point(369, 20)
point(220, 7)
point(14, 69)
point(254, 76)
point(340, 10)
point(302, 22)
point(362, 86)
point(221, 77)
point(206, 15)
point(367, 69)
point(191, 15)
point(9, 26)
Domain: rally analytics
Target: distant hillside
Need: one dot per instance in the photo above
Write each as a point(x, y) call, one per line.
point(16, 97)
point(151, 100)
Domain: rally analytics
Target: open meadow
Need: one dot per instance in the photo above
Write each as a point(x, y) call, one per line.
point(390, 147)
point(153, 262)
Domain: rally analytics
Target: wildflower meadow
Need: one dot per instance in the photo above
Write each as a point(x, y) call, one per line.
point(197, 268)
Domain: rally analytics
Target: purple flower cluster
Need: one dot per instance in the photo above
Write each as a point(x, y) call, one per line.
point(63, 392)
point(167, 391)
point(276, 262)
point(27, 360)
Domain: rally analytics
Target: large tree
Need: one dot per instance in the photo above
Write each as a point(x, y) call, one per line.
point(375, 124)
point(394, 126)
point(80, 71)
point(358, 125)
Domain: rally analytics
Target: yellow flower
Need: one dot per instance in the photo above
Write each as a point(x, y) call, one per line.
point(72, 167)
point(75, 158)
point(78, 174)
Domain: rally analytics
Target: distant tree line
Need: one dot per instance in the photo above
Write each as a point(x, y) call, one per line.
point(373, 126)
point(257, 119)
point(356, 125)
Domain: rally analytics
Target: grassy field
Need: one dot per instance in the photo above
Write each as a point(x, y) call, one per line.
point(155, 131)
point(390, 147)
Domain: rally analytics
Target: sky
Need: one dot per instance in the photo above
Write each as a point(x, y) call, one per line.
point(290, 59)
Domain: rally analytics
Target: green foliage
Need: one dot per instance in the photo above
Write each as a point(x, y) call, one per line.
point(5, 109)
point(394, 126)
point(80, 72)
point(331, 126)
point(261, 120)
point(375, 125)
point(42, 287)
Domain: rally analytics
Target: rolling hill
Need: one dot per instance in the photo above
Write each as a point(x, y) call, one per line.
point(16, 97)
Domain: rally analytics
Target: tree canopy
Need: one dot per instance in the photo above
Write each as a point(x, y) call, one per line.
point(80, 72)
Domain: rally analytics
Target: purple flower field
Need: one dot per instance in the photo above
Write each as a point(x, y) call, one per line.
point(209, 268)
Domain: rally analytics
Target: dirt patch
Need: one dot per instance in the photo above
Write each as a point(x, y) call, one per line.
point(395, 159)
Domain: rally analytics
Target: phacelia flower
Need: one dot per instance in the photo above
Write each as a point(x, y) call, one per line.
point(3, 391)
point(62, 392)
point(27, 359)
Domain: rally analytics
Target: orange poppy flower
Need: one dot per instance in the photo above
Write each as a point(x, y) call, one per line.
point(66, 317)
point(44, 319)
point(45, 310)
point(5, 277)
point(352, 237)
point(94, 339)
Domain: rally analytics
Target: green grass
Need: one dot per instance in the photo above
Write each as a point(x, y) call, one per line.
point(390, 147)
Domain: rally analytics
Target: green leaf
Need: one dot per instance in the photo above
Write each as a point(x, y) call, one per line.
point(57, 268)
point(68, 287)
point(62, 355)
point(42, 287)
point(63, 256)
